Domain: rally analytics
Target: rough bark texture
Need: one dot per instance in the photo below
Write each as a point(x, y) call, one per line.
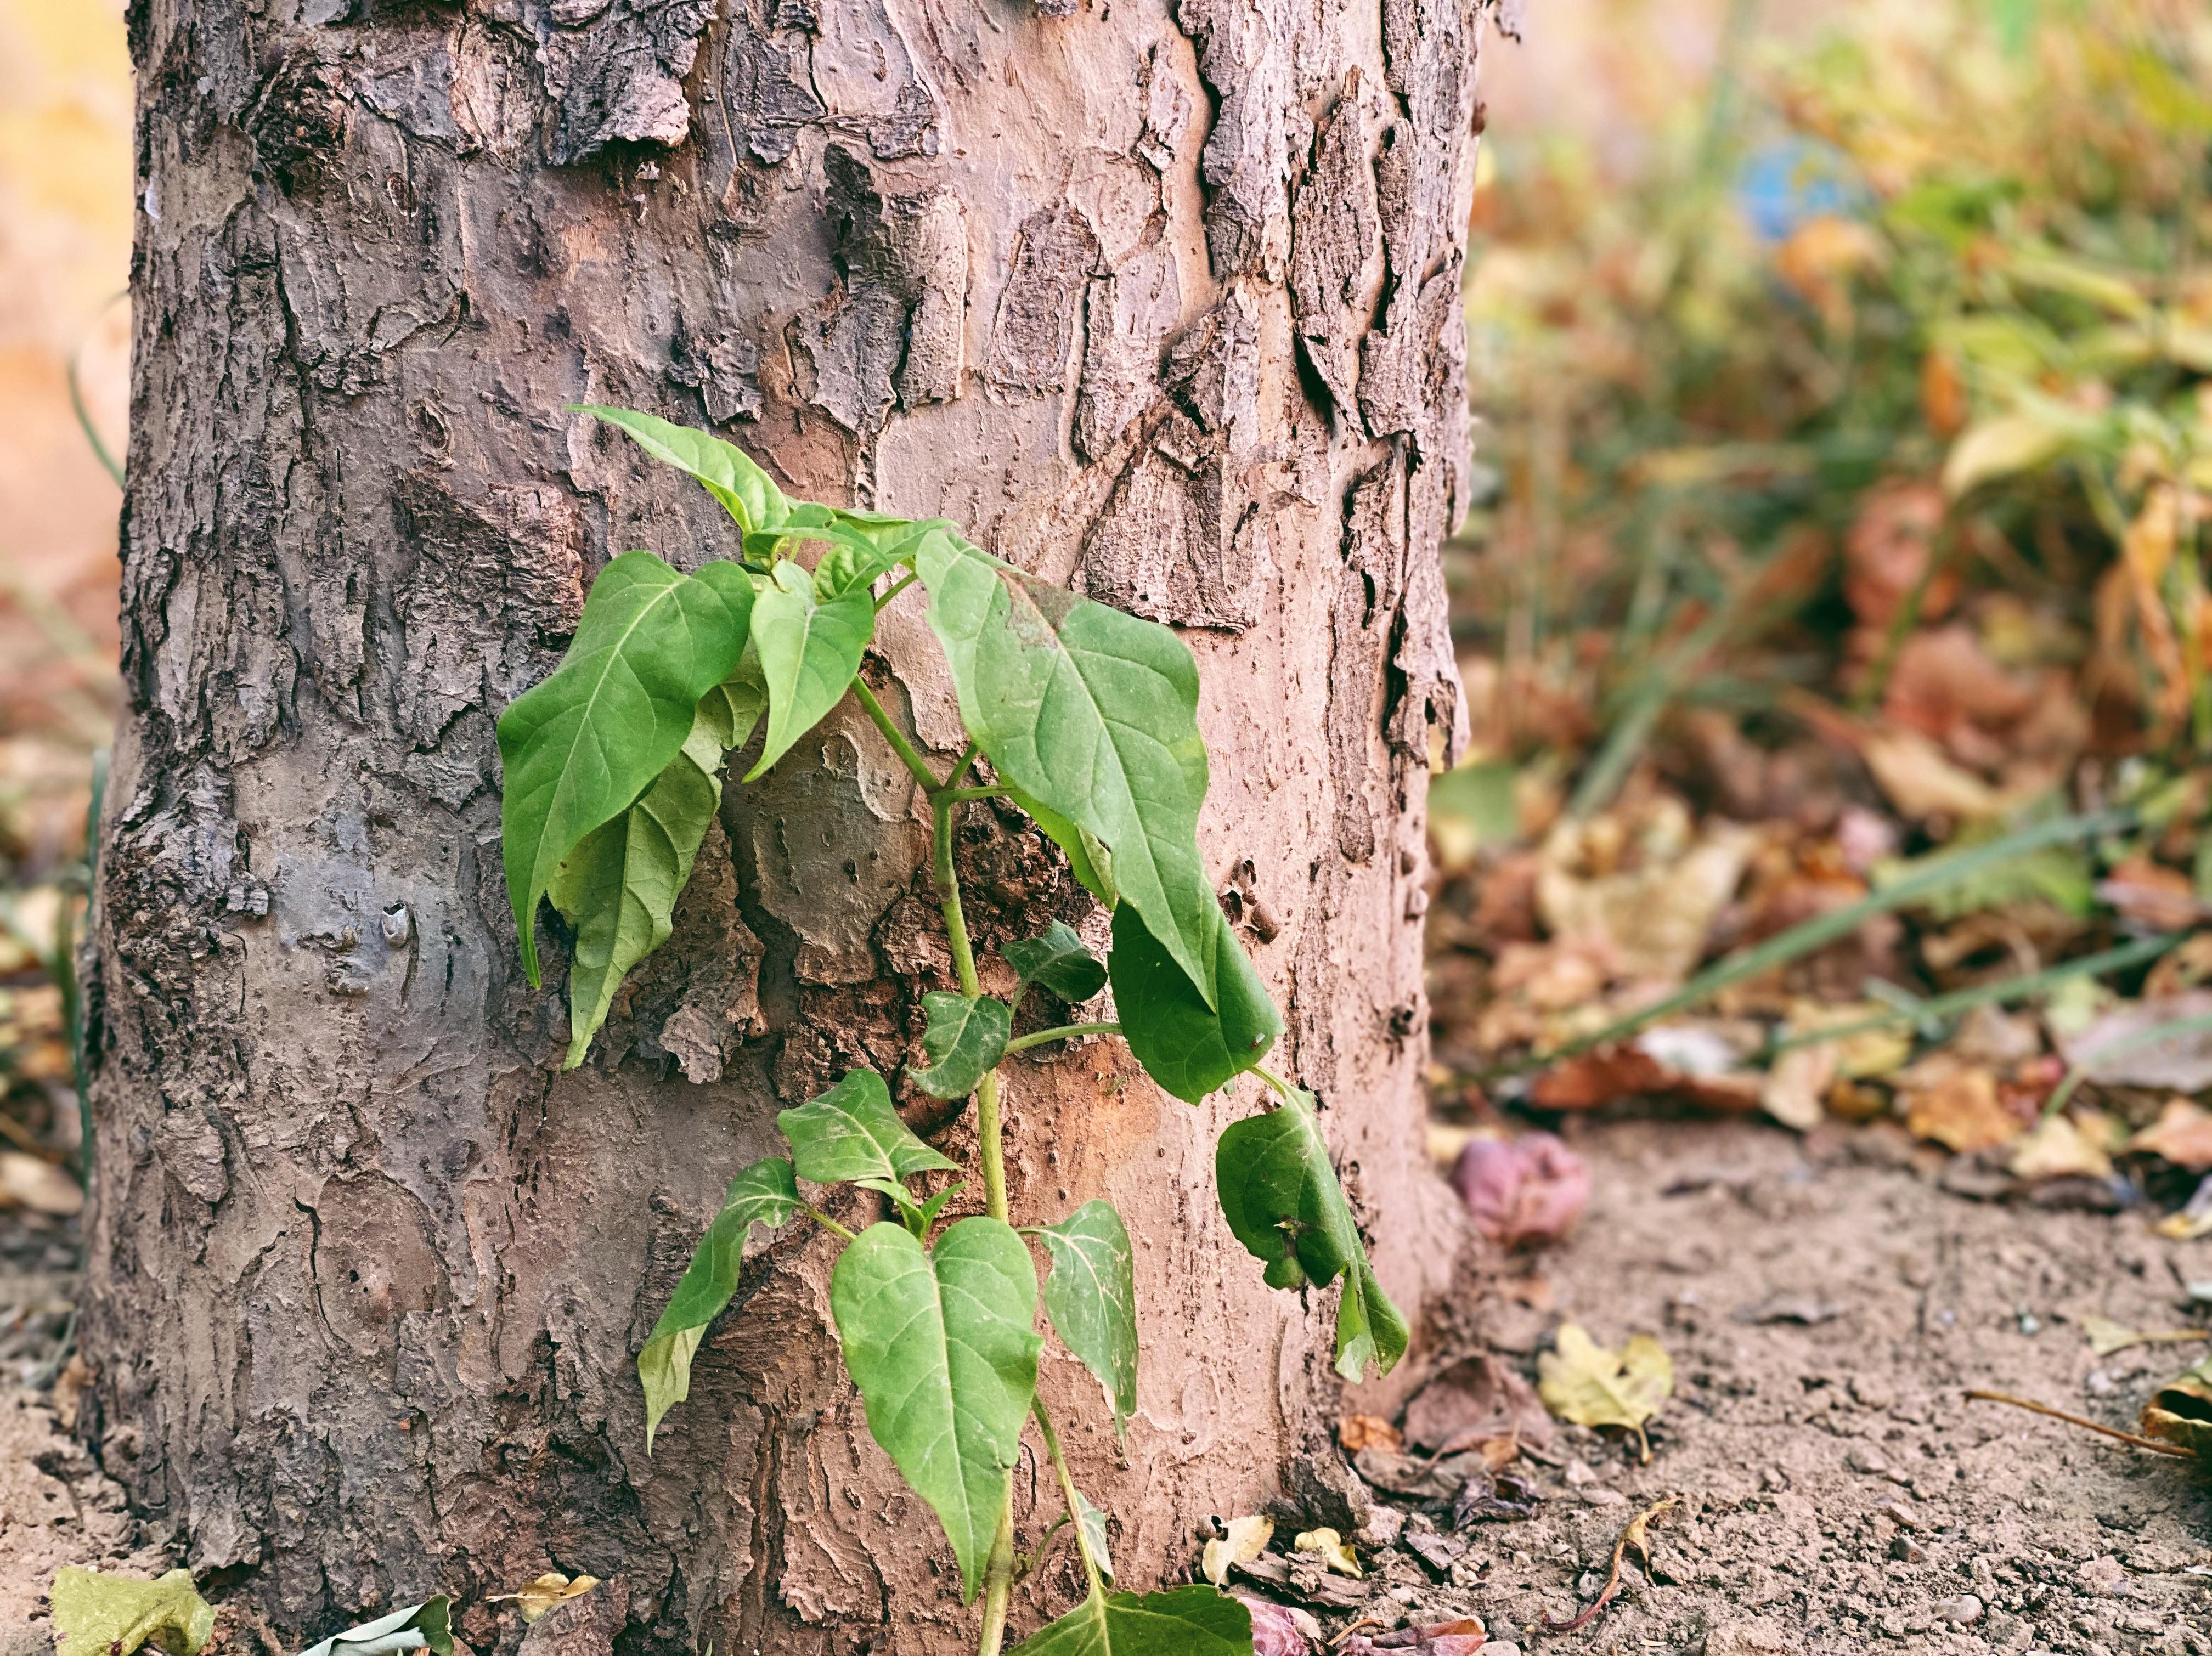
point(1161, 301)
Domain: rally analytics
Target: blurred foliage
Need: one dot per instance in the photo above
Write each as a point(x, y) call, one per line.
point(1909, 320)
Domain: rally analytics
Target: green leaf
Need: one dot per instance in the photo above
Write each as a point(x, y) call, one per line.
point(618, 888)
point(809, 651)
point(964, 1038)
point(99, 1615)
point(580, 747)
point(426, 1626)
point(1060, 961)
point(1194, 1620)
point(851, 1132)
point(1279, 1194)
point(939, 1343)
point(1087, 859)
point(730, 475)
point(1186, 1046)
point(863, 548)
point(1093, 714)
point(763, 1194)
point(1091, 1298)
point(736, 704)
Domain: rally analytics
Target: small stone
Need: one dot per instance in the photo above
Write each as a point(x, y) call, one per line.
point(1603, 1498)
point(2106, 1577)
point(1963, 1611)
point(1578, 1474)
point(1382, 1528)
point(1866, 1462)
point(1499, 1648)
point(1870, 1393)
point(1905, 1550)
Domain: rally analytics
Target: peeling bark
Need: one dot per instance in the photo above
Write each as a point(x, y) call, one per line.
point(368, 1276)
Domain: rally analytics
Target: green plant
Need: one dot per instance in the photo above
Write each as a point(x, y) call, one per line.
point(1088, 719)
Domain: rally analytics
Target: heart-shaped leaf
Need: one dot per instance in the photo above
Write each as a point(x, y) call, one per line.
point(1091, 1297)
point(580, 747)
point(426, 1626)
point(1193, 1621)
point(618, 888)
point(851, 1132)
point(1060, 961)
point(939, 1343)
point(1094, 715)
point(763, 1194)
point(735, 705)
point(809, 650)
point(965, 1036)
point(1188, 1047)
point(95, 1614)
point(730, 475)
point(1279, 1193)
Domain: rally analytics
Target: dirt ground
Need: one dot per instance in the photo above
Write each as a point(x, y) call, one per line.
point(1836, 1494)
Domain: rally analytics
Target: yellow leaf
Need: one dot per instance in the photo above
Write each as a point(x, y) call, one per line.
point(97, 1614)
point(549, 1590)
point(2057, 1149)
point(1331, 1549)
point(2106, 1336)
point(1247, 1539)
point(1999, 447)
point(1583, 1382)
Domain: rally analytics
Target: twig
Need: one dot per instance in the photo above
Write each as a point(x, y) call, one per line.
point(1632, 1536)
point(2140, 1442)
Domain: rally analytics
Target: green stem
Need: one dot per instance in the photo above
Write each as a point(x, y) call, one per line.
point(905, 749)
point(825, 1221)
point(1067, 1490)
point(998, 1568)
point(961, 796)
point(884, 602)
point(1042, 1037)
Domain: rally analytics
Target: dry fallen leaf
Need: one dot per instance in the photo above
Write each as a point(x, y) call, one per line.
point(1247, 1539)
point(33, 1182)
point(1583, 1382)
point(96, 1614)
point(548, 1591)
point(2106, 1336)
point(2166, 1042)
point(1330, 1548)
point(1358, 1432)
point(1956, 1105)
point(2057, 1147)
point(2182, 1134)
point(1280, 1629)
point(1477, 1402)
point(2180, 1412)
point(1654, 920)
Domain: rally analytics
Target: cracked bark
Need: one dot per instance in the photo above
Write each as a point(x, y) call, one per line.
point(368, 1277)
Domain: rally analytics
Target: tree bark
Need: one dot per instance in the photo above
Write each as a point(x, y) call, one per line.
point(1159, 300)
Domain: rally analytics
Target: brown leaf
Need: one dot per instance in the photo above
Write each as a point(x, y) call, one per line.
point(2182, 1134)
point(2124, 1047)
point(1477, 1399)
point(2151, 894)
point(1358, 1432)
point(2058, 1148)
point(1957, 1105)
point(33, 1182)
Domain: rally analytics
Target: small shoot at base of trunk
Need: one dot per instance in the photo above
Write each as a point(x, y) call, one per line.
point(1087, 719)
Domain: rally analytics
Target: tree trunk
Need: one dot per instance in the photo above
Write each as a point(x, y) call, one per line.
point(1159, 301)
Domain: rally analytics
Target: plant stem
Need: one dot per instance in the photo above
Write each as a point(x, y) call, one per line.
point(1023, 1043)
point(961, 796)
point(998, 1568)
point(884, 602)
point(825, 1221)
point(1067, 1490)
point(2035, 1408)
point(904, 748)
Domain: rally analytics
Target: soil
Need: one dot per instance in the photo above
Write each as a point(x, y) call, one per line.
point(1836, 1494)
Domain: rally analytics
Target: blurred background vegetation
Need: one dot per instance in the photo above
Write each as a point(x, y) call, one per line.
point(1842, 368)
